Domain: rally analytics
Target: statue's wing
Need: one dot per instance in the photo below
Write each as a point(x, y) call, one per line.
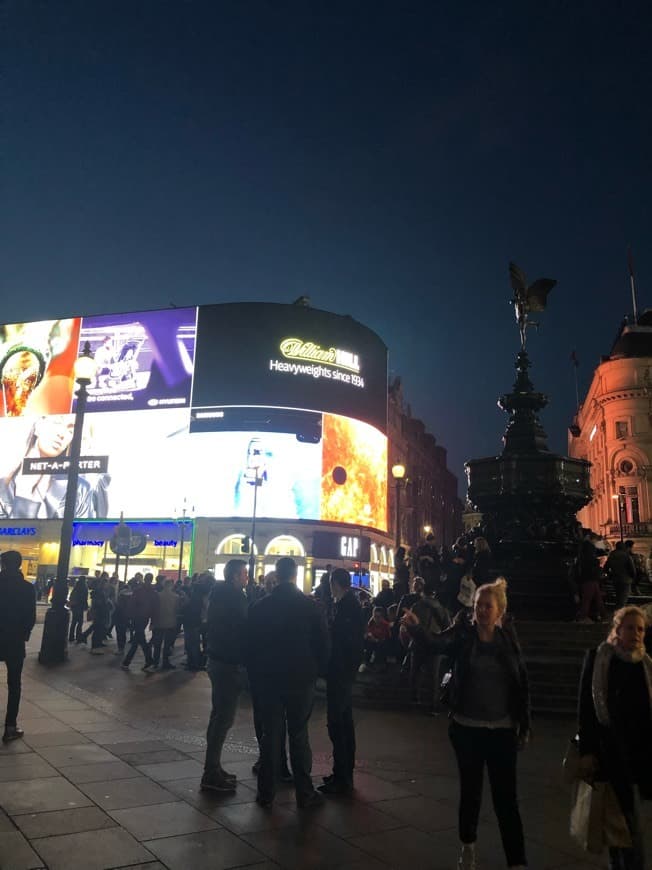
point(517, 278)
point(537, 293)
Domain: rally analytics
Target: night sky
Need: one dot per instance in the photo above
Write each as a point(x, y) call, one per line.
point(386, 159)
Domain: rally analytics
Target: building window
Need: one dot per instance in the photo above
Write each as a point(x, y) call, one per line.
point(622, 429)
point(626, 466)
point(631, 510)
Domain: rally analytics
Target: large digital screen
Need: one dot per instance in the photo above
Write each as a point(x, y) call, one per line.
point(290, 356)
point(144, 462)
point(143, 360)
point(180, 408)
point(36, 366)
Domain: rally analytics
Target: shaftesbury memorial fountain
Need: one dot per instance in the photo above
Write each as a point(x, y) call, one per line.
point(529, 496)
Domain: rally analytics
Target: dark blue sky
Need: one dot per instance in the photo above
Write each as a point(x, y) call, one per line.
point(385, 158)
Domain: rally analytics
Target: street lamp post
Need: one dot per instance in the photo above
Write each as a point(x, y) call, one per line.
point(620, 498)
point(398, 473)
point(182, 535)
point(258, 481)
point(54, 645)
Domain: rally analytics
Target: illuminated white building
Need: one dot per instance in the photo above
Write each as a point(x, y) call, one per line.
point(613, 430)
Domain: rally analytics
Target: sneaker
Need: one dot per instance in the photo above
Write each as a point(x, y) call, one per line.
point(98, 651)
point(230, 777)
point(148, 668)
point(216, 783)
point(124, 667)
point(311, 801)
point(12, 732)
point(466, 861)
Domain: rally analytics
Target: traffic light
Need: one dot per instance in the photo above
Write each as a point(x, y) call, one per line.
point(356, 567)
point(244, 544)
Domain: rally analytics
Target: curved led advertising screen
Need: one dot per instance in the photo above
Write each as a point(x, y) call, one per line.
point(187, 403)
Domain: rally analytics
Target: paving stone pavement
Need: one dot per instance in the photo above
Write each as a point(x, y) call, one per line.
point(107, 776)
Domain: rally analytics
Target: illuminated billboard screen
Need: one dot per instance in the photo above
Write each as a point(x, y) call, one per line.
point(156, 430)
point(144, 360)
point(36, 367)
point(290, 356)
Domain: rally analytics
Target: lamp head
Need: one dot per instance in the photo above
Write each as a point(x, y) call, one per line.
point(85, 367)
point(398, 471)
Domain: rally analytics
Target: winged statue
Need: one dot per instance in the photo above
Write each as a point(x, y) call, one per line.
point(527, 298)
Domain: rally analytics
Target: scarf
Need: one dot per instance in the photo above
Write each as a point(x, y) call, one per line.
point(600, 682)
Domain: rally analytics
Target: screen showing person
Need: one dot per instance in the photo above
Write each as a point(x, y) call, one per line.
point(25, 494)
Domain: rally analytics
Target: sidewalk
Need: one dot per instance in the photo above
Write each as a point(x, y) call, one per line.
point(108, 774)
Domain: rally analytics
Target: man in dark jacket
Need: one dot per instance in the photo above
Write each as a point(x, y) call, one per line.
point(227, 621)
point(287, 648)
point(17, 618)
point(347, 648)
point(144, 606)
point(620, 567)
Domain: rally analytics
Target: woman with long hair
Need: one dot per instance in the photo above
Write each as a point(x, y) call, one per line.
point(490, 711)
point(615, 725)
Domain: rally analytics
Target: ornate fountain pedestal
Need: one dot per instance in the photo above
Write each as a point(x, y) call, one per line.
point(529, 496)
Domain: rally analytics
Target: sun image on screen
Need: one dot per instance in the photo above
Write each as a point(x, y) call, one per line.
point(354, 473)
point(36, 367)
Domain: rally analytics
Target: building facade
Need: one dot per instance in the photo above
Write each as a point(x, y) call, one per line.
point(429, 502)
point(613, 431)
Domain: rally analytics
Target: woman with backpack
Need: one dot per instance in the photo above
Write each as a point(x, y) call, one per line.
point(490, 712)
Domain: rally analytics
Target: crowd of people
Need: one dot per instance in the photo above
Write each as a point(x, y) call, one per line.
point(594, 566)
point(451, 619)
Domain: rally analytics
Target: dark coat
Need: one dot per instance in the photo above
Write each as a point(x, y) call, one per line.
point(17, 613)
point(78, 599)
point(481, 571)
point(620, 762)
point(227, 624)
point(457, 644)
point(143, 604)
point(287, 639)
point(347, 638)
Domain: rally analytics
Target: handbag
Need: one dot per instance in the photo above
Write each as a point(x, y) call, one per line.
point(596, 818)
point(571, 762)
point(616, 831)
point(587, 813)
point(466, 595)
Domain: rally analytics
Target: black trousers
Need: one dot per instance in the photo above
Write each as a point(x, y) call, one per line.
point(121, 633)
point(76, 624)
point(341, 730)
point(139, 641)
point(496, 748)
point(259, 729)
point(277, 704)
point(163, 637)
point(14, 663)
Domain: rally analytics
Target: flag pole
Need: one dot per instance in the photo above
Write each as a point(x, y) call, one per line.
point(632, 282)
point(576, 363)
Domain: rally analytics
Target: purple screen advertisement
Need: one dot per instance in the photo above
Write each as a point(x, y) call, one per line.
point(144, 360)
